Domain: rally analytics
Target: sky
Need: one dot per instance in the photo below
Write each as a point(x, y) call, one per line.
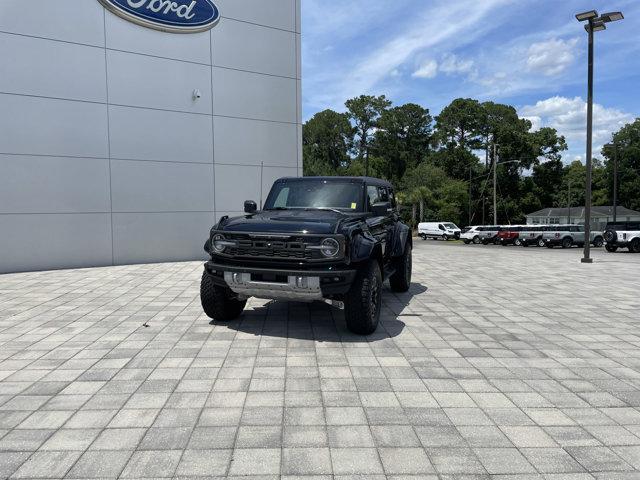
point(531, 54)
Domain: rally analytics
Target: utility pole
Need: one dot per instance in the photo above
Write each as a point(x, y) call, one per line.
point(495, 184)
point(615, 180)
point(569, 201)
point(470, 180)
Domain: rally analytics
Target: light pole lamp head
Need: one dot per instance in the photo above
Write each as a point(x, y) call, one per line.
point(611, 17)
point(584, 16)
point(595, 26)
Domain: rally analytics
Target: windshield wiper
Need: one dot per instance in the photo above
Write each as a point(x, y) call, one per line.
point(327, 209)
point(278, 208)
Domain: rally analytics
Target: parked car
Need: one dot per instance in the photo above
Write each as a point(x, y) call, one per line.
point(622, 234)
point(569, 235)
point(333, 239)
point(435, 230)
point(484, 234)
point(532, 235)
point(510, 235)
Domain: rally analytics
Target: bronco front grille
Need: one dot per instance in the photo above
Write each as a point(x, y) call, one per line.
point(263, 246)
point(250, 251)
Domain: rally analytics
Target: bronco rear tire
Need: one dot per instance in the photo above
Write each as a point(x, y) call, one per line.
point(611, 248)
point(566, 242)
point(362, 302)
point(218, 302)
point(400, 281)
point(634, 246)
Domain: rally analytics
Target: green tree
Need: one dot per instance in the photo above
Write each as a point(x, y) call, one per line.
point(547, 178)
point(365, 111)
point(440, 196)
point(403, 138)
point(460, 123)
point(326, 140)
point(628, 142)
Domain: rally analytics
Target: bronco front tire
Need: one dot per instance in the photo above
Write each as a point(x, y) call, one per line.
point(362, 302)
point(400, 281)
point(218, 302)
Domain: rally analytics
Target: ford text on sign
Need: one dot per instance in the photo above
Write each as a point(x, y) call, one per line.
point(176, 16)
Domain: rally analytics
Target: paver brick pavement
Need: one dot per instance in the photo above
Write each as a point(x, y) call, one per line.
point(498, 363)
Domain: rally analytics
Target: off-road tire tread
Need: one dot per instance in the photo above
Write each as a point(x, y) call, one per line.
point(217, 301)
point(397, 281)
point(356, 302)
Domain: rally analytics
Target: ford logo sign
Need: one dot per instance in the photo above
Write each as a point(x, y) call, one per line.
point(175, 16)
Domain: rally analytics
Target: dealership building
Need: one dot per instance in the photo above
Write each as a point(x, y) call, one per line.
point(123, 139)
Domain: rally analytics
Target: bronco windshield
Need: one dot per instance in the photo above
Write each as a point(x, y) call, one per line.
point(316, 194)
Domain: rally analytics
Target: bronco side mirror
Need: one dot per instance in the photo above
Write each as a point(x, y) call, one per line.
point(250, 206)
point(381, 209)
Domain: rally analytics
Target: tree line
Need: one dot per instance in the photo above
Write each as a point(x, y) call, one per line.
point(442, 166)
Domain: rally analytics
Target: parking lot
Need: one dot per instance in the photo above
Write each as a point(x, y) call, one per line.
point(501, 362)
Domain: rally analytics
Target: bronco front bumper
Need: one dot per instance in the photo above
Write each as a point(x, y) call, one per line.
point(279, 284)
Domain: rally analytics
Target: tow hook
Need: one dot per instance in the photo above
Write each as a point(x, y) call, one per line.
point(335, 303)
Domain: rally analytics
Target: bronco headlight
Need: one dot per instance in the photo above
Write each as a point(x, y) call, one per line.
point(219, 243)
point(330, 247)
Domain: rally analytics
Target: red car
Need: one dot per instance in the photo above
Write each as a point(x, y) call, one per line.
point(510, 235)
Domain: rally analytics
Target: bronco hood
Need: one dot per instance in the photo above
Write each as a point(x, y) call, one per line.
point(286, 221)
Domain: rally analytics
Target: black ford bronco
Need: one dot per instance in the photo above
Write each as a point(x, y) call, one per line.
point(333, 239)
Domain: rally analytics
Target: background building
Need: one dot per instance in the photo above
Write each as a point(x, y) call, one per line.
point(599, 216)
point(122, 144)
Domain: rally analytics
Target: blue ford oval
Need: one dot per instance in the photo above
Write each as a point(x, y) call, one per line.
point(176, 16)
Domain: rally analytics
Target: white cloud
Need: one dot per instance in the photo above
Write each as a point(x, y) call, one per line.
point(569, 117)
point(551, 57)
point(451, 64)
point(428, 69)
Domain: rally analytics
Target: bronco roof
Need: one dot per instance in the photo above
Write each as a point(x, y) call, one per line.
point(367, 180)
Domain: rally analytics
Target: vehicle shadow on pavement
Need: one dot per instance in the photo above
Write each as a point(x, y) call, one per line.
point(318, 321)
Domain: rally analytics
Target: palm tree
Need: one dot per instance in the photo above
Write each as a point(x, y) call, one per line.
point(422, 194)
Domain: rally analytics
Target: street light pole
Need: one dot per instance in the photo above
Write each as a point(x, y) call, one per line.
point(587, 206)
point(594, 23)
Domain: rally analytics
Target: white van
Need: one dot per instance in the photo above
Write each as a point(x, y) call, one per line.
point(443, 230)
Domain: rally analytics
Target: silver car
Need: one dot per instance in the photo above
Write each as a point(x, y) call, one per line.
point(533, 235)
point(569, 235)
